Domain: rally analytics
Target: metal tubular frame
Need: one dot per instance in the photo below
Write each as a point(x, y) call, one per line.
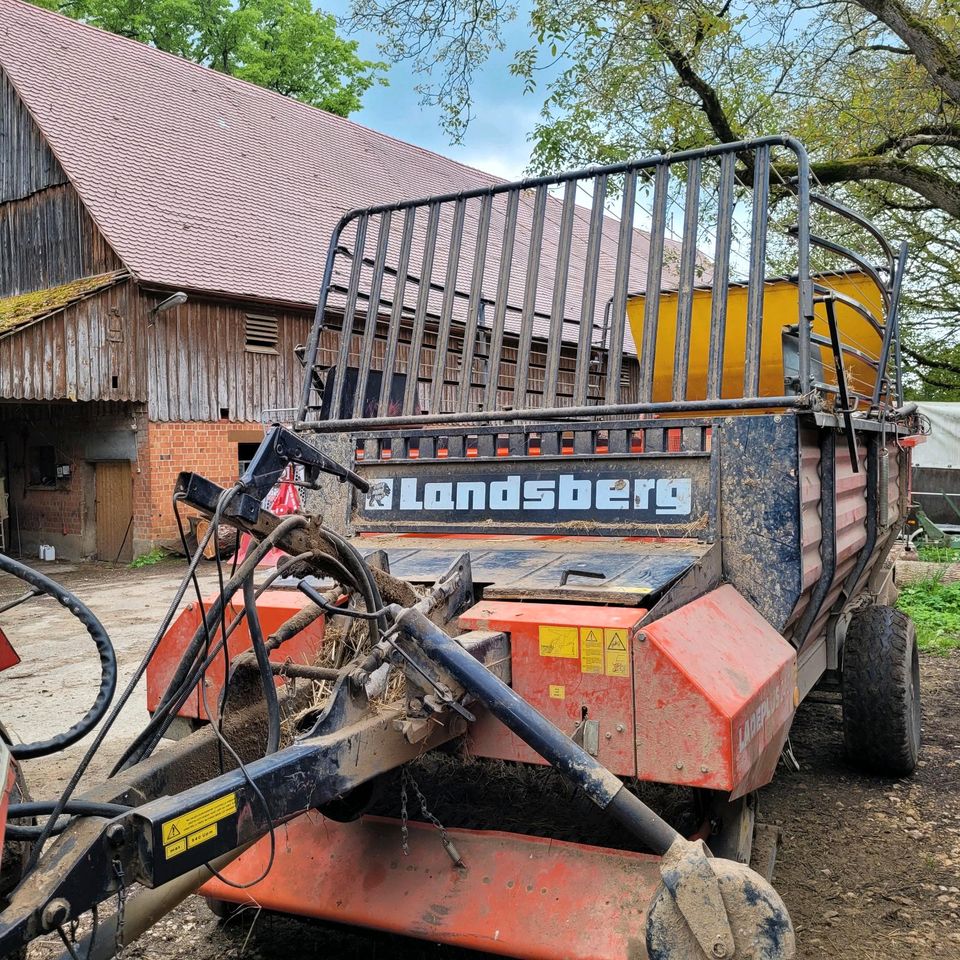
point(529, 272)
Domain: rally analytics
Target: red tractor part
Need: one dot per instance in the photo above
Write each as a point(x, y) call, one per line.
point(274, 607)
point(702, 697)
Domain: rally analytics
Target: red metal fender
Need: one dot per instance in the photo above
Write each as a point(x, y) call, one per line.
point(716, 691)
point(702, 697)
point(518, 896)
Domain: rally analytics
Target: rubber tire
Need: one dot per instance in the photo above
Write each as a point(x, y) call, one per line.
point(881, 691)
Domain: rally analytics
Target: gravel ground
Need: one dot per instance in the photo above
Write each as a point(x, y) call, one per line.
point(868, 868)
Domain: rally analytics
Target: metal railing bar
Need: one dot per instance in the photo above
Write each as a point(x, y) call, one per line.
point(393, 329)
point(651, 300)
point(446, 309)
point(801, 401)
point(521, 371)
point(853, 257)
point(588, 302)
point(621, 283)
point(475, 306)
point(370, 320)
point(688, 263)
point(721, 276)
point(346, 334)
point(503, 293)
point(828, 203)
point(558, 302)
point(422, 308)
point(758, 260)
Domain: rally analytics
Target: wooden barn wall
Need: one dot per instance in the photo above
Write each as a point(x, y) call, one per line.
point(91, 350)
point(46, 235)
point(199, 369)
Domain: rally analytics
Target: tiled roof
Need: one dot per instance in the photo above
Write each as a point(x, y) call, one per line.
point(204, 182)
point(195, 178)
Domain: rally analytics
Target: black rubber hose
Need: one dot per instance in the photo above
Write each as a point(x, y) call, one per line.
point(108, 662)
point(191, 665)
point(351, 558)
point(263, 662)
point(186, 668)
point(40, 808)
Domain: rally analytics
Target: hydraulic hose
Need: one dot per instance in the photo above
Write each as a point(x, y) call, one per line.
point(40, 808)
point(263, 662)
point(108, 662)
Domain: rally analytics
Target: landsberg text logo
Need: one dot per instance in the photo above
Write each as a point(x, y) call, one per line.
point(665, 497)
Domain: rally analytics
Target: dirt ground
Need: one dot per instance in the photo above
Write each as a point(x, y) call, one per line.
point(868, 868)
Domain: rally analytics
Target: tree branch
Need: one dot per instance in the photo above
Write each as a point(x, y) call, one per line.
point(937, 189)
point(709, 100)
point(933, 53)
point(903, 141)
point(930, 362)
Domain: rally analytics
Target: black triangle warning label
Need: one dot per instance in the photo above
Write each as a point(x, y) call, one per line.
point(616, 643)
point(592, 637)
point(172, 831)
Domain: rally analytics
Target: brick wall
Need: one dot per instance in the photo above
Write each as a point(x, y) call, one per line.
point(208, 448)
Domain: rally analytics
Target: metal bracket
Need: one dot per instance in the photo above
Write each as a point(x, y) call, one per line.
point(688, 876)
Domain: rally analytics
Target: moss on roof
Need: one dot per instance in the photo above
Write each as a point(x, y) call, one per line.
point(26, 307)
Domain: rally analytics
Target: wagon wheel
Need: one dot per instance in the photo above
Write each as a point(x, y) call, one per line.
point(881, 691)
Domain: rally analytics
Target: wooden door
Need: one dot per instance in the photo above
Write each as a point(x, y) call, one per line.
point(114, 502)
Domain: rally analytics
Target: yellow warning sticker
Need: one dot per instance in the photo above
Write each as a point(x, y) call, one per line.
point(172, 849)
point(559, 641)
point(558, 691)
point(617, 657)
point(591, 649)
point(199, 818)
point(202, 836)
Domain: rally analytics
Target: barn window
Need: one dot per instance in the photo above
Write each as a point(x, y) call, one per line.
point(261, 334)
point(42, 466)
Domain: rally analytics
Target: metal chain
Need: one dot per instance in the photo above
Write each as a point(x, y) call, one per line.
point(404, 828)
point(405, 778)
point(121, 905)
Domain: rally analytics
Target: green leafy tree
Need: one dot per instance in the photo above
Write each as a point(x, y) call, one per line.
point(871, 86)
point(284, 45)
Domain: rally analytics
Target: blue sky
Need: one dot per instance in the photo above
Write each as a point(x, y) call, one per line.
point(496, 141)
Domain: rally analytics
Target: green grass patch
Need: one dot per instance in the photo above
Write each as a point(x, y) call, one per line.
point(156, 555)
point(933, 553)
point(934, 606)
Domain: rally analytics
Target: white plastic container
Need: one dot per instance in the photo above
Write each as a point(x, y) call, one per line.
point(47, 552)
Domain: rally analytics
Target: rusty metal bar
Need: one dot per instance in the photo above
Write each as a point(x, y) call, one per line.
point(651, 300)
point(588, 306)
point(688, 266)
point(349, 314)
point(503, 295)
point(373, 309)
point(396, 314)
point(475, 306)
point(621, 283)
point(758, 261)
point(446, 309)
point(423, 305)
point(721, 276)
point(558, 303)
point(522, 370)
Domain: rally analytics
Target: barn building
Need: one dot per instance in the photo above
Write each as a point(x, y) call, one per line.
point(128, 176)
